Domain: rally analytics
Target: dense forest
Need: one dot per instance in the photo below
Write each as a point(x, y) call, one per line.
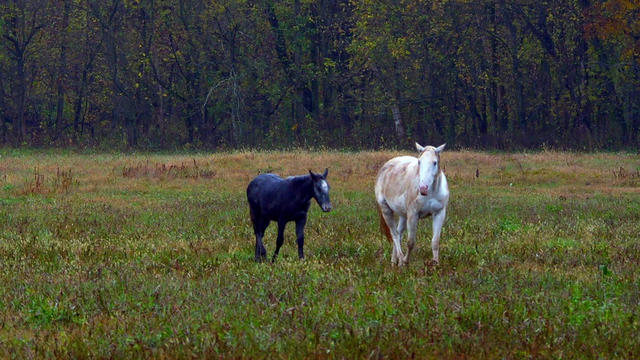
point(219, 74)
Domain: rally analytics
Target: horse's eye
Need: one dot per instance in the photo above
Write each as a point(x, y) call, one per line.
point(435, 163)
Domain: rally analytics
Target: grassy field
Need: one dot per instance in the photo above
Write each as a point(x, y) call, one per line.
point(150, 255)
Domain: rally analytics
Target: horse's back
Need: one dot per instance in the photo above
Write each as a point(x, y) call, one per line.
point(267, 178)
point(393, 176)
point(398, 164)
point(263, 184)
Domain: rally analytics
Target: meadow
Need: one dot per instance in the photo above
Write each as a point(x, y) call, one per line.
point(151, 255)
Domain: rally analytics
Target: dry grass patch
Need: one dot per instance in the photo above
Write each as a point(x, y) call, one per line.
point(60, 183)
point(169, 171)
point(353, 171)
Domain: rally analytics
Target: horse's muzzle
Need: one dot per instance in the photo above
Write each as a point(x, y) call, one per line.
point(326, 207)
point(424, 190)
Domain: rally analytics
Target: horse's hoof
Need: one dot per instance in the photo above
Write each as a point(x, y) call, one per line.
point(405, 261)
point(431, 263)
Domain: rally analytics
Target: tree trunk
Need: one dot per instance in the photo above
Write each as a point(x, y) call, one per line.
point(453, 116)
point(300, 86)
point(514, 45)
point(397, 121)
point(21, 128)
point(3, 109)
point(481, 122)
point(633, 105)
point(62, 64)
point(492, 86)
point(77, 116)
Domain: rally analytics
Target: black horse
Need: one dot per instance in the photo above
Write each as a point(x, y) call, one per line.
point(272, 198)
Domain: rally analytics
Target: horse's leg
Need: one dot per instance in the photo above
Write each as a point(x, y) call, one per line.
point(280, 239)
point(300, 223)
point(412, 228)
point(401, 226)
point(260, 250)
point(259, 226)
point(438, 220)
point(396, 253)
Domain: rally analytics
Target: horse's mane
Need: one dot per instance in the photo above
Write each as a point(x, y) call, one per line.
point(298, 178)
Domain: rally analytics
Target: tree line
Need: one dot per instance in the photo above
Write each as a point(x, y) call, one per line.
point(162, 74)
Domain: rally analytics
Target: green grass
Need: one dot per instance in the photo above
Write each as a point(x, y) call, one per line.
point(535, 262)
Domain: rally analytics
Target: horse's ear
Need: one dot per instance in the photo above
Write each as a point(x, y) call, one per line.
point(440, 148)
point(419, 147)
point(313, 176)
point(326, 172)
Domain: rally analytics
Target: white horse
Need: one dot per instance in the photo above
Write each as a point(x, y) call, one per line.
point(408, 189)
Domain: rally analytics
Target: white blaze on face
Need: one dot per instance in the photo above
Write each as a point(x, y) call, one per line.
point(428, 168)
point(324, 186)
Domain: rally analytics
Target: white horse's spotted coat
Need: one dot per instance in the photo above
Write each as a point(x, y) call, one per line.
point(407, 189)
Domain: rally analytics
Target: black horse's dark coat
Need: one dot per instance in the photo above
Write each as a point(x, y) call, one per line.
point(272, 198)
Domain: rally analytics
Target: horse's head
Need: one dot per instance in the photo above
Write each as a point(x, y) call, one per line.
point(429, 166)
point(321, 189)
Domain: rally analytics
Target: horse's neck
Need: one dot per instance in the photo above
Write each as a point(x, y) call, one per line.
point(303, 188)
point(437, 180)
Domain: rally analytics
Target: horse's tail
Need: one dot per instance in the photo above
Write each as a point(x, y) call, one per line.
point(384, 228)
point(252, 215)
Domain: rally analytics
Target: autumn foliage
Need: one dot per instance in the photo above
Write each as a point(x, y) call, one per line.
point(185, 74)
